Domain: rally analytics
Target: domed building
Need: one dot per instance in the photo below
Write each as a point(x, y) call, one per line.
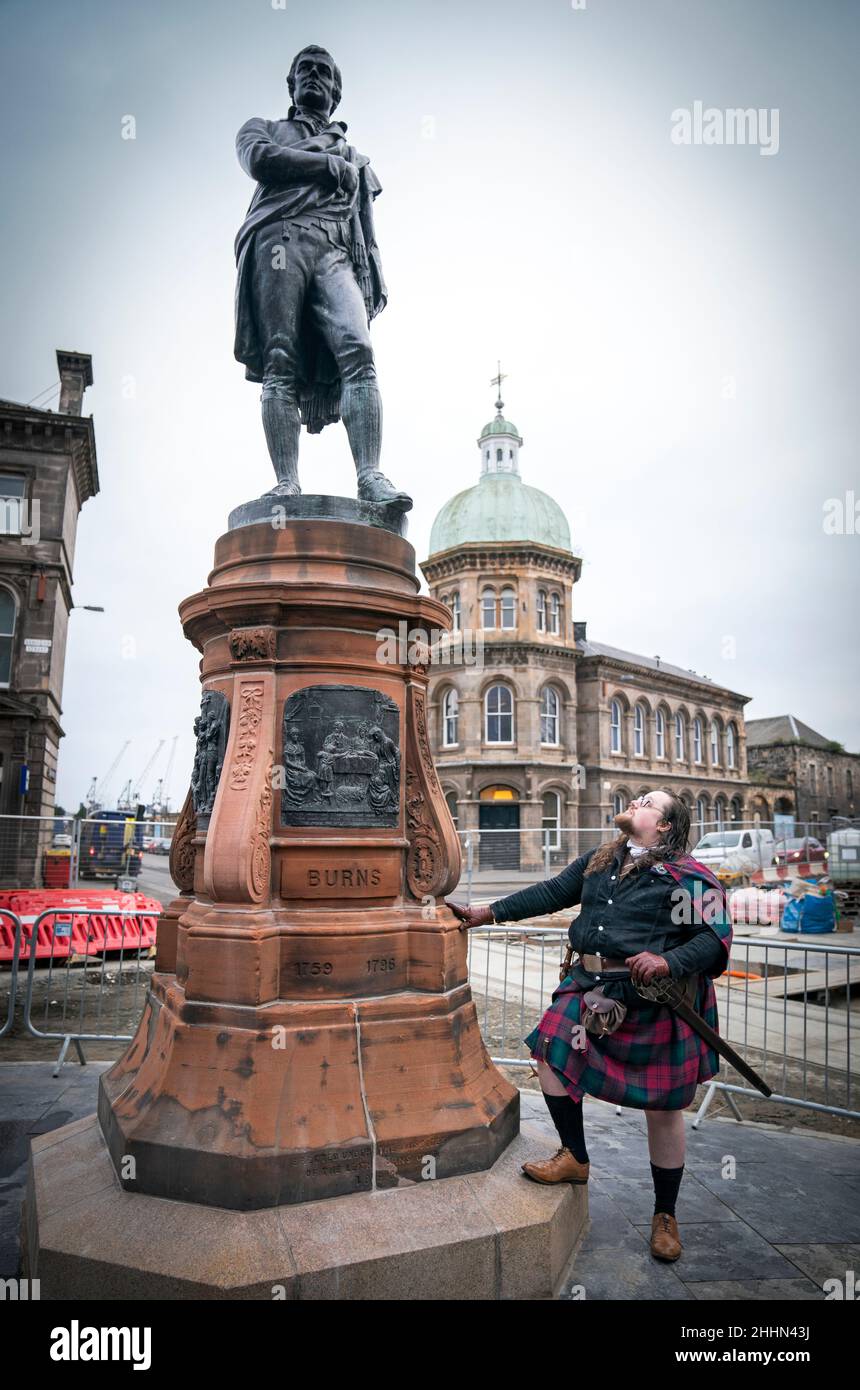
point(503, 727)
point(539, 734)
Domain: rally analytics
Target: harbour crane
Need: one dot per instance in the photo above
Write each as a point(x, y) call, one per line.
point(97, 789)
point(139, 783)
point(161, 795)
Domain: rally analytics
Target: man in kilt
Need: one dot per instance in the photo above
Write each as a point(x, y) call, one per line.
point(651, 908)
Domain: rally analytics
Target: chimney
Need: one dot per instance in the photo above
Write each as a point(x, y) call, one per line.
point(579, 632)
point(76, 374)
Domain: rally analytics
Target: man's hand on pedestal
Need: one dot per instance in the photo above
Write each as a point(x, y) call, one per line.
point(470, 916)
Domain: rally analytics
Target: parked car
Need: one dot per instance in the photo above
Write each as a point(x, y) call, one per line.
point(61, 842)
point(157, 844)
point(736, 849)
point(800, 849)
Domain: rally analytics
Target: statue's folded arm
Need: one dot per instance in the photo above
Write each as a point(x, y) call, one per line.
point(267, 161)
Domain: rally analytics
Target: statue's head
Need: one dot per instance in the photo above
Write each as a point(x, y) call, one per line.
point(314, 80)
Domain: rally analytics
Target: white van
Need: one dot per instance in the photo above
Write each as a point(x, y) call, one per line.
point(737, 849)
point(843, 854)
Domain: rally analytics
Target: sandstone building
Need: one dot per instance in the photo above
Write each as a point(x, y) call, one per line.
point(48, 471)
point(816, 773)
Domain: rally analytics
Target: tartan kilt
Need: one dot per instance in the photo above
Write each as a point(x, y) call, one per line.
point(653, 1061)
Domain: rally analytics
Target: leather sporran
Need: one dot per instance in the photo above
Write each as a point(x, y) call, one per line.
point(600, 1015)
point(597, 1013)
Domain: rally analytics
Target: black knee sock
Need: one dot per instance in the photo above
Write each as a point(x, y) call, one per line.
point(666, 1184)
point(567, 1117)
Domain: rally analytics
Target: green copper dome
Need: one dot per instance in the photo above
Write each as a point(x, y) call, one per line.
point(501, 507)
point(500, 426)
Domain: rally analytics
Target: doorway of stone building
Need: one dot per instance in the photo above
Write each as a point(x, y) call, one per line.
point(499, 816)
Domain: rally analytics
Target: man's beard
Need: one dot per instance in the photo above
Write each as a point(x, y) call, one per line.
point(624, 821)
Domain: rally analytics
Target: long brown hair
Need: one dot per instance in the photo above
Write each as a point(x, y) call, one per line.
point(671, 845)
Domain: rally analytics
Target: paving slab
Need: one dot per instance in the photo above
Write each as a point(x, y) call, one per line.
point(786, 1223)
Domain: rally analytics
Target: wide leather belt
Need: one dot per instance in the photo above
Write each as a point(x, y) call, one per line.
point(596, 964)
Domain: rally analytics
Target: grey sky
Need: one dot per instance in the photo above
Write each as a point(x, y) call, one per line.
point(679, 322)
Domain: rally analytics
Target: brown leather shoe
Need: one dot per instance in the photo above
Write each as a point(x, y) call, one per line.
point(562, 1167)
point(665, 1241)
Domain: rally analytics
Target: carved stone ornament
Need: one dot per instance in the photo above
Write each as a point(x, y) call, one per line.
point(261, 854)
point(423, 858)
point(253, 643)
point(433, 856)
point(182, 849)
point(341, 761)
point(249, 717)
point(211, 727)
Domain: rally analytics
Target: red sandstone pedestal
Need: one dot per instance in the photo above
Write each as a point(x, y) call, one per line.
point(310, 1030)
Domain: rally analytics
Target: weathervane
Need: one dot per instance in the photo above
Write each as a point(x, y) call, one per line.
point(497, 382)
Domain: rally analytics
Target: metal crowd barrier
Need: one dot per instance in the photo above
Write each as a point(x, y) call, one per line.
point(76, 1008)
point(769, 1010)
point(798, 1007)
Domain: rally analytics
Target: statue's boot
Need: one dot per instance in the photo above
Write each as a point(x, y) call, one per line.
point(282, 424)
point(361, 408)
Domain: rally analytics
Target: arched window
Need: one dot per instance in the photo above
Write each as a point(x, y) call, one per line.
point(7, 635)
point(541, 610)
point(509, 608)
point(450, 717)
point(660, 734)
point(555, 614)
point(500, 454)
point(736, 809)
point(730, 745)
point(679, 737)
point(455, 610)
point(615, 727)
point(702, 813)
point(488, 608)
point(719, 813)
point(639, 731)
point(549, 721)
point(451, 803)
point(551, 820)
point(715, 743)
point(620, 802)
point(499, 705)
point(697, 740)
